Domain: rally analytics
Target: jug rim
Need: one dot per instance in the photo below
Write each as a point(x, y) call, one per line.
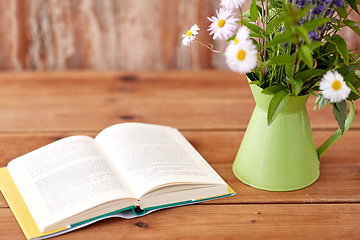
point(294, 104)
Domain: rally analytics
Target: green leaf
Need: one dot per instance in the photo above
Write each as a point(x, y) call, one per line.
point(345, 70)
point(279, 60)
point(316, 23)
point(342, 12)
point(254, 28)
point(289, 69)
point(304, 34)
point(321, 101)
point(276, 104)
point(272, 25)
point(353, 97)
point(255, 35)
point(353, 5)
point(305, 11)
point(246, 14)
point(352, 25)
point(341, 47)
point(296, 85)
point(306, 56)
point(314, 45)
point(293, 14)
point(227, 40)
point(352, 78)
point(339, 110)
point(313, 24)
point(357, 73)
point(257, 82)
point(307, 74)
point(353, 89)
point(273, 89)
point(259, 10)
point(286, 37)
point(353, 83)
point(253, 10)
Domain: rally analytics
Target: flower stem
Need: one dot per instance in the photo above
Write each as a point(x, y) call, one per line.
point(241, 18)
point(265, 24)
point(263, 40)
point(296, 62)
point(210, 48)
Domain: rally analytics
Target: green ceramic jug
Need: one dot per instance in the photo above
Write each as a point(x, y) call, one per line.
point(282, 156)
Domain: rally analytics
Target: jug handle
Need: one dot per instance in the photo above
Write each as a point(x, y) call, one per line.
point(337, 134)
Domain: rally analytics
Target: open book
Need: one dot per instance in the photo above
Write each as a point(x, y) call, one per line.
point(128, 170)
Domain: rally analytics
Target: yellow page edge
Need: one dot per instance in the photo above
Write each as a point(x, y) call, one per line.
point(19, 208)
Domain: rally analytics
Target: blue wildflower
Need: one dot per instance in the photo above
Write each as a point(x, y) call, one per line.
point(318, 10)
point(338, 3)
point(321, 8)
point(313, 35)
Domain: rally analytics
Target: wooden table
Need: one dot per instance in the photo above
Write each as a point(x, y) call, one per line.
point(212, 110)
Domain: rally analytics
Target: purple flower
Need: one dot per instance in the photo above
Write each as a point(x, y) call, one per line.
point(321, 8)
point(300, 3)
point(338, 3)
point(318, 10)
point(313, 35)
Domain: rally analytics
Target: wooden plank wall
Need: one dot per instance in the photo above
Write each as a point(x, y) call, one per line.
point(108, 35)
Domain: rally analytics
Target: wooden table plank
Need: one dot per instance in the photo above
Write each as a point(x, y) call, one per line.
point(212, 110)
point(186, 100)
point(248, 221)
point(81, 113)
point(338, 183)
point(125, 84)
point(340, 167)
point(216, 147)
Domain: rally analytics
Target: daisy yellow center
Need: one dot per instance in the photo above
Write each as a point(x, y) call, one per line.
point(221, 23)
point(336, 85)
point(188, 33)
point(236, 40)
point(241, 55)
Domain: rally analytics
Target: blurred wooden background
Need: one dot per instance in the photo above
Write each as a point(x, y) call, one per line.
point(109, 34)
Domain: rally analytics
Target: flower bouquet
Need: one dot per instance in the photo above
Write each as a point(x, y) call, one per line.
point(288, 50)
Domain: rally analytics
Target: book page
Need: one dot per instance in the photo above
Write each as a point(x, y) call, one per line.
point(66, 177)
point(150, 156)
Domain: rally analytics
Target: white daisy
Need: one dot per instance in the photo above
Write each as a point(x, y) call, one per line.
point(242, 34)
point(189, 37)
point(224, 25)
point(334, 87)
point(231, 4)
point(241, 57)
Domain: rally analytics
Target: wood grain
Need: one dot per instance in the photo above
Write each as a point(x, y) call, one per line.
point(91, 34)
point(154, 84)
point(338, 183)
point(69, 113)
point(216, 146)
point(250, 221)
point(211, 109)
point(211, 100)
point(113, 34)
point(339, 165)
